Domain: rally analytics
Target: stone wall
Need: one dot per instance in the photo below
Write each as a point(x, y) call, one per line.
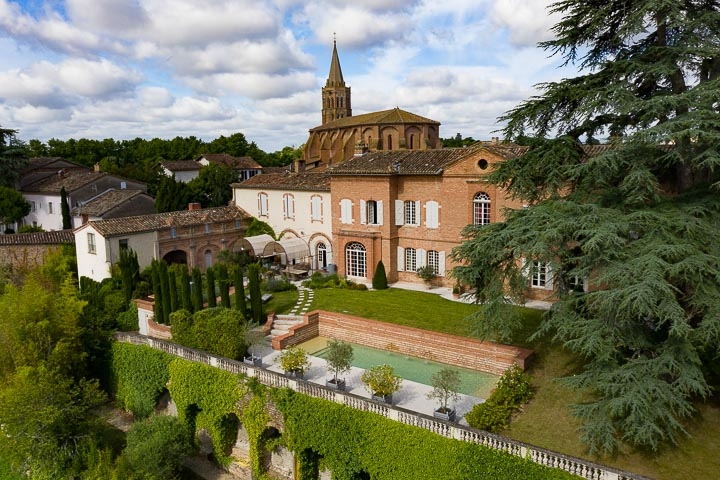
point(440, 347)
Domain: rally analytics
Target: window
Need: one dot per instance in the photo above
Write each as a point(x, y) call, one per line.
point(123, 243)
point(33, 207)
point(262, 204)
point(355, 258)
point(577, 283)
point(410, 259)
point(433, 261)
point(412, 141)
point(207, 228)
point(238, 224)
point(173, 232)
point(91, 242)
point(288, 206)
point(50, 209)
point(389, 142)
point(481, 209)
point(371, 212)
point(208, 259)
point(432, 214)
point(411, 212)
point(346, 211)
point(316, 212)
point(321, 256)
point(540, 275)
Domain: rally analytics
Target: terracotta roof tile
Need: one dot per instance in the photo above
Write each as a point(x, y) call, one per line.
point(106, 201)
point(56, 237)
point(158, 221)
point(71, 179)
point(181, 165)
point(288, 181)
point(402, 162)
point(230, 161)
point(393, 116)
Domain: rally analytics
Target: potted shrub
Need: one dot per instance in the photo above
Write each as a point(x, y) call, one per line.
point(254, 337)
point(456, 291)
point(339, 357)
point(294, 361)
point(427, 273)
point(382, 382)
point(445, 383)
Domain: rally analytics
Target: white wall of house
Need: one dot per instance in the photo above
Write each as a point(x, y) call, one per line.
point(182, 175)
point(298, 213)
point(95, 262)
point(46, 211)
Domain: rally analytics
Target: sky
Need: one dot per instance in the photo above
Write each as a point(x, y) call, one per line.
point(164, 68)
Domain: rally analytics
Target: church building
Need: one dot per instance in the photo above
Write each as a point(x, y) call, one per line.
point(341, 135)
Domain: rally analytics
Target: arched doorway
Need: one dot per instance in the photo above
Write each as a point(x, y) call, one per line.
point(321, 256)
point(176, 256)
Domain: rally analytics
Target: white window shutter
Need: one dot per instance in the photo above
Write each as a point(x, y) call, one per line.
point(292, 207)
point(399, 212)
point(431, 214)
point(418, 204)
point(363, 212)
point(379, 212)
point(441, 264)
point(344, 211)
point(421, 258)
point(548, 277)
point(401, 259)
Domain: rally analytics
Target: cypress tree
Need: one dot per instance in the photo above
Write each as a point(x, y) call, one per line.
point(184, 288)
point(379, 280)
point(129, 272)
point(157, 291)
point(197, 290)
point(210, 285)
point(165, 289)
point(255, 293)
point(65, 210)
point(172, 284)
point(224, 285)
point(239, 291)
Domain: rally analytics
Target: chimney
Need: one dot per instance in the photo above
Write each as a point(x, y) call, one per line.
point(194, 206)
point(495, 139)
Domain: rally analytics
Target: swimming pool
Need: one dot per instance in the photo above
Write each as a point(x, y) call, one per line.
point(472, 382)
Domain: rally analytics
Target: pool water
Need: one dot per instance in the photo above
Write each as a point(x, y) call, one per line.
point(472, 382)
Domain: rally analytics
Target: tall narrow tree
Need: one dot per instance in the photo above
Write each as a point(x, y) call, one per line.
point(255, 293)
point(238, 279)
point(165, 290)
point(65, 209)
point(197, 290)
point(210, 285)
point(223, 285)
point(631, 218)
point(184, 288)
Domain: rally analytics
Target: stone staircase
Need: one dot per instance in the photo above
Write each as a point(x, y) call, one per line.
point(283, 324)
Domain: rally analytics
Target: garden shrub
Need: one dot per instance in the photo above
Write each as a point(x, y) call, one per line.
point(379, 280)
point(279, 284)
point(157, 446)
point(513, 389)
point(127, 321)
point(318, 280)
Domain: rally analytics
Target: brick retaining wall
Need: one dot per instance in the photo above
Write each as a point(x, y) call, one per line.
point(451, 349)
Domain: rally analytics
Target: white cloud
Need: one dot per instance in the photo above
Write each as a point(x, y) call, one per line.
point(527, 22)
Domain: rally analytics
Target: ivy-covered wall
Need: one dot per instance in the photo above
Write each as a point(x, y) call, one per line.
point(351, 443)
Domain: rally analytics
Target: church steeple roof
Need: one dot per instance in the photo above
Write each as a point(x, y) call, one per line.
point(335, 78)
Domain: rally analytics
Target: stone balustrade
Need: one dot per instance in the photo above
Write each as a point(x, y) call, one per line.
point(577, 466)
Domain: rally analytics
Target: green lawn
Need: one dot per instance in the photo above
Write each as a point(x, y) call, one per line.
point(545, 421)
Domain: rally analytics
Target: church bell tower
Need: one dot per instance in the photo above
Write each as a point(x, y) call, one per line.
point(335, 95)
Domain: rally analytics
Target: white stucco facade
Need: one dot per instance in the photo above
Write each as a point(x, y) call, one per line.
point(45, 211)
point(306, 214)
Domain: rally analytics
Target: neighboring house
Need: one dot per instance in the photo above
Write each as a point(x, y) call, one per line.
point(342, 135)
point(26, 250)
point(113, 204)
point(193, 237)
point(39, 168)
point(245, 166)
point(295, 205)
point(182, 170)
point(80, 186)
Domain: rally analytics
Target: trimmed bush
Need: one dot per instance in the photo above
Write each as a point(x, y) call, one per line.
point(513, 389)
point(379, 280)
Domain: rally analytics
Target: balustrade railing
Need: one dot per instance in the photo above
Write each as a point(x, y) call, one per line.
point(576, 466)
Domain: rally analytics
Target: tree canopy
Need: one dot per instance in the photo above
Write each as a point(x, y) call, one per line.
point(13, 206)
point(634, 218)
point(13, 156)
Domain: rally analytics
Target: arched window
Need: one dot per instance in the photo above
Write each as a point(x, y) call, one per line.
point(321, 256)
point(355, 260)
point(481, 209)
point(389, 142)
point(208, 259)
point(412, 141)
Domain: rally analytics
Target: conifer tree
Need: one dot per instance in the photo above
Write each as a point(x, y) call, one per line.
point(255, 293)
point(379, 280)
point(184, 288)
point(240, 304)
point(173, 290)
point(165, 291)
point(210, 285)
point(65, 210)
point(223, 285)
point(632, 218)
point(197, 290)
point(157, 291)
point(129, 271)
